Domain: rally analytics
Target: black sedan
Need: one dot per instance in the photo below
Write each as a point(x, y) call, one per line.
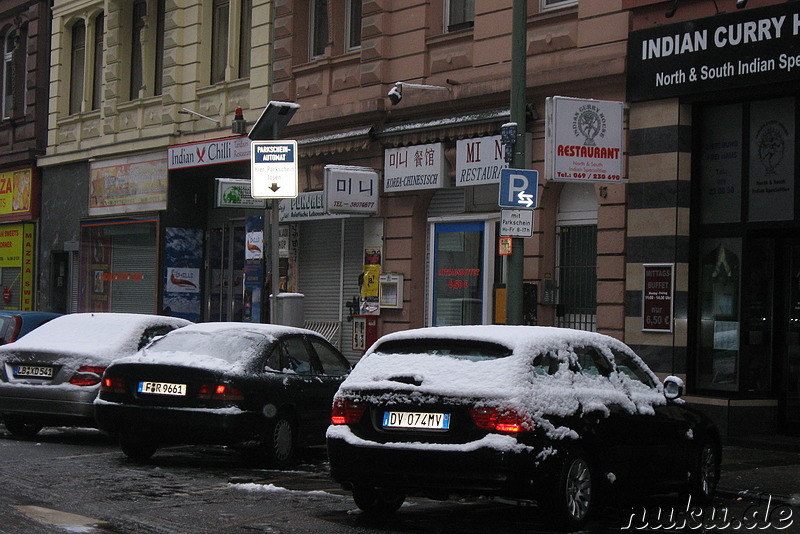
point(266, 389)
point(556, 416)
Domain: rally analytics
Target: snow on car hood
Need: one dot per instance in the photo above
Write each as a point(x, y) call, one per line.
point(104, 336)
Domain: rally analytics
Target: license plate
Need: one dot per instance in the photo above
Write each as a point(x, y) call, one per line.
point(423, 420)
point(33, 371)
point(162, 388)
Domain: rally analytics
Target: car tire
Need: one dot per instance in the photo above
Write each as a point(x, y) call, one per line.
point(705, 473)
point(280, 442)
point(572, 497)
point(20, 428)
point(377, 502)
point(137, 446)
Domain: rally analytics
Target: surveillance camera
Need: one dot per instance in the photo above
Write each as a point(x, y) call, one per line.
point(740, 4)
point(395, 95)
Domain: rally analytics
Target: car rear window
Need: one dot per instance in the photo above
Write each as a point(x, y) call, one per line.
point(230, 346)
point(457, 349)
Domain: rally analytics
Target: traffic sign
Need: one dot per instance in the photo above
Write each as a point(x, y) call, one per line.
point(273, 166)
point(518, 188)
point(516, 223)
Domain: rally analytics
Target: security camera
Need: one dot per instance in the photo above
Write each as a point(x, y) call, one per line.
point(740, 4)
point(396, 94)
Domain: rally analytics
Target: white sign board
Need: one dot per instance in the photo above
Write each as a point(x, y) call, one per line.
point(208, 153)
point(583, 140)
point(351, 189)
point(516, 223)
point(274, 169)
point(479, 160)
point(410, 168)
point(235, 193)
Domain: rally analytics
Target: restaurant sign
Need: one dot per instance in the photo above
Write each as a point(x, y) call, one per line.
point(723, 52)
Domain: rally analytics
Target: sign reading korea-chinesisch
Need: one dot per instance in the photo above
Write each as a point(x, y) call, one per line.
point(410, 168)
point(583, 140)
point(726, 51)
point(274, 169)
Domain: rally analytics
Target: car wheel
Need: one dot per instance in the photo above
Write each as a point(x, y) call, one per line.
point(572, 497)
point(18, 427)
point(377, 502)
point(280, 442)
point(137, 446)
point(705, 474)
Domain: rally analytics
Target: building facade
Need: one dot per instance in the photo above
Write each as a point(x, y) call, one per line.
point(24, 40)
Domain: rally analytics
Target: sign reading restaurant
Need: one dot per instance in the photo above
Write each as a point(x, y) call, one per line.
point(726, 51)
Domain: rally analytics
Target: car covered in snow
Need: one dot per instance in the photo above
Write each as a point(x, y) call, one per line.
point(51, 376)
point(261, 388)
point(551, 415)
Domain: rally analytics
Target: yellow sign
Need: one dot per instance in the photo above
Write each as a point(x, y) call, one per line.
point(15, 191)
point(16, 251)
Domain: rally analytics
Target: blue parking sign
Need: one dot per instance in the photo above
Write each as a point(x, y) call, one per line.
point(518, 188)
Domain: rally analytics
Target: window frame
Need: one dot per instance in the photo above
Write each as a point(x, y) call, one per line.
point(9, 81)
point(97, 58)
point(350, 26)
point(467, 22)
point(77, 68)
point(314, 37)
point(550, 5)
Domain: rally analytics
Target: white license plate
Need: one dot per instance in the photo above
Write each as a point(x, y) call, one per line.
point(432, 421)
point(162, 388)
point(33, 371)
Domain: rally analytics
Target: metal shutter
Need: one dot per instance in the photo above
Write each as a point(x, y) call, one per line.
point(134, 296)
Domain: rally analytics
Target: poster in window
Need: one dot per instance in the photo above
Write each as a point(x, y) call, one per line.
point(657, 298)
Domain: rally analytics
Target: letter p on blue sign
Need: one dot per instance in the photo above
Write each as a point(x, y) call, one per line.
point(518, 188)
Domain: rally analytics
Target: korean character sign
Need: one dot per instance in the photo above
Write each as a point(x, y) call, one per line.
point(350, 189)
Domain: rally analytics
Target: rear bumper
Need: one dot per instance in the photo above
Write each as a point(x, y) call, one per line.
point(182, 425)
point(421, 470)
point(50, 405)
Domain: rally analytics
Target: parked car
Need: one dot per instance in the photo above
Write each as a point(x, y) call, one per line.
point(51, 376)
point(266, 389)
point(551, 415)
point(15, 324)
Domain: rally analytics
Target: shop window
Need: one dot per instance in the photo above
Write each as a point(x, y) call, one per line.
point(118, 266)
point(719, 328)
point(458, 273)
point(319, 28)
point(78, 56)
point(353, 24)
point(459, 14)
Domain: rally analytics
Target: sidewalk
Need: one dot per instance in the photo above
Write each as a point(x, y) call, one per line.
point(754, 468)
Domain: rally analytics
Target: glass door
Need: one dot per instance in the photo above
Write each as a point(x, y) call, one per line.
point(791, 365)
point(225, 273)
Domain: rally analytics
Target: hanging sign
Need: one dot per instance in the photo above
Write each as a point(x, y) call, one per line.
point(273, 167)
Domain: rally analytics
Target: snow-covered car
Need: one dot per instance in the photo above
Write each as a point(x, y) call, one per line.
point(51, 376)
point(525, 413)
point(265, 389)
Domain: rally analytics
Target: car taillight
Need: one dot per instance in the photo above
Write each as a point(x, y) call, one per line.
point(489, 418)
point(346, 412)
point(114, 385)
point(221, 392)
point(87, 375)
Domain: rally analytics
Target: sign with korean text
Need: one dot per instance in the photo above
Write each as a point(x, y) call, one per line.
point(235, 193)
point(15, 191)
point(518, 188)
point(274, 169)
point(209, 153)
point(410, 168)
point(583, 140)
point(479, 160)
point(516, 223)
point(125, 185)
point(657, 296)
point(726, 51)
point(351, 189)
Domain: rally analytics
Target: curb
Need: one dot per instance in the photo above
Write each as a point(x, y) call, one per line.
point(759, 497)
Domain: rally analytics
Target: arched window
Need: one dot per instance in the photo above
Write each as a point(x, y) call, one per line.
point(10, 42)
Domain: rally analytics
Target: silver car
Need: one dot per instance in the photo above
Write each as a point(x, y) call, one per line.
point(51, 376)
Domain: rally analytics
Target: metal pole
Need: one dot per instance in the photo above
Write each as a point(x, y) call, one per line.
point(275, 253)
point(519, 30)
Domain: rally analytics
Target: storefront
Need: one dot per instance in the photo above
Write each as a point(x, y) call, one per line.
point(18, 207)
point(729, 82)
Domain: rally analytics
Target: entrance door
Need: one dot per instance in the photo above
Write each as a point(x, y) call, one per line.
point(225, 272)
point(791, 366)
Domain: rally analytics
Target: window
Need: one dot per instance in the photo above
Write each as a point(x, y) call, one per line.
point(231, 38)
point(332, 363)
point(245, 40)
point(556, 4)
point(353, 24)
point(591, 362)
point(158, 85)
point(10, 43)
point(460, 14)
point(219, 45)
point(97, 88)
point(137, 47)
point(295, 355)
point(76, 78)
point(319, 28)
point(630, 368)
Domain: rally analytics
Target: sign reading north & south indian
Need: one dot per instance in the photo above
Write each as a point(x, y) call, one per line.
point(410, 168)
point(583, 140)
point(350, 189)
point(726, 51)
point(273, 166)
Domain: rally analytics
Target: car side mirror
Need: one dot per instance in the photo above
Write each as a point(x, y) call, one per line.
point(673, 387)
